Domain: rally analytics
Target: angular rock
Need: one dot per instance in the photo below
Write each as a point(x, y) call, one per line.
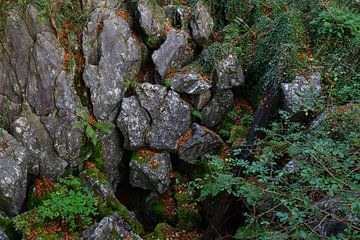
point(3, 235)
point(133, 123)
point(169, 50)
point(109, 228)
point(216, 109)
point(151, 97)
point(43, 159)
point(189, 81)
point(151, 172)
point(49, 61)
point(112, 55)
point(35, 22)
point(152, 21)
point(13, 174)
point(9, 111)
point(171, 123)
point(302, 91)
point(199, 101)
point(179, 15)
point(228, 73)
point(201, 24)
point(100, 186)
point(203, 141)
point(92, 4)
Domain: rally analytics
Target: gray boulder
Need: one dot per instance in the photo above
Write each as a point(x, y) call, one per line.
point(200, 100)
point(92, 4)
point(189, 81)
point(13, 174)
point(152, 21)
point(35, 22)
point(173, 120)
point(228, 73)
point(151, 172)
point(109, 228)
point(216, 109)
point(133, 123)
point(112, 55)
point(151, 98)
point(169, 51)
point(3, 235)
point(203, 141)
point(201, 24)
point(179, 15)
point(302, 92)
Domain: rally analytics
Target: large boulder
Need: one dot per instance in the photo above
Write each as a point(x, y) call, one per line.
point(228, 73)
point(302, 92)
point(216, 109)
point(190, 81)
point(109, 228)
point(169, 51)
point(152, 20)
point(150, 170)
point(133, 122)
point(13, 174)
point(112, 55)
point(151, 98)
point(201, 24)
point(173, 120)
point(202, 141)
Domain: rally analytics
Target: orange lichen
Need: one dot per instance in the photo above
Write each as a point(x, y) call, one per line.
point(145, 154)
point(185, 137)
point(123, 14)
point(169, 203)
point(43, 187)
point(167, 26)
point(92, 119)
point(52, 229)
point(89, 165)
point(154, 164)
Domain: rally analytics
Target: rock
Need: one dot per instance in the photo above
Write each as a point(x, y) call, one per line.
point(43, 159)
point(109, 228)
point(152, 21)
point(151, 98)
point(89, 5)
point(113, 156)
point(216, 109)
point(189, 81)
point(133, 123)
point(302, 91)
point(169, 51)
point(35, 22)
point(48, 55)
point(173, 120)
point(13, 174)
point(93, 179)
point(201, 24)
point(150, 170)
point(199, 101)
point(112, 55)
point(202, 141)
point(9, 111)
point(3, 235)
point(179, 15)
point(228, 73)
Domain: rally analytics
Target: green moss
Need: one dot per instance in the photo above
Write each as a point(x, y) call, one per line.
point(158, 208)
point(115, 235)
point(8, 226)
point(95, 173)
point(238, 132)
point(161, 232)
point(188, 217)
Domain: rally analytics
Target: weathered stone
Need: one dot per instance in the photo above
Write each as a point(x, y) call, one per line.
point(35, 22)
point(109, 228)
point(100, 186)
point(216, 109)
point(152, 21)
point(302, 91)
point(199, 101)
point(169, 50)
point(172, 122)
point(179, 15)
point(133, 123)
point(92, 4)
point(111, 56)
point(189, 81)
point(13, 174)
point(228, 73)
point(203, 141)
point(151, 97)
point(3, 235)
point(151, 173)
point(9, 111)
point(43, 160)
point(113, 155)
point(201, 24)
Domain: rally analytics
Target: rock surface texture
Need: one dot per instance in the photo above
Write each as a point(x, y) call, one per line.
point(201, 24)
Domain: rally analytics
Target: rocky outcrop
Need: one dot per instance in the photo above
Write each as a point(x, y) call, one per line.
point(302, 91)
point(201, 24)
point(169, 51)
point(133, 122)
point(189, 81)
point(110, 227)
point(228, 73)
point(13, 174)
point(112, 55)
point(152, 21)
point(150, 170)
point(216, 108)
point(202, 141)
